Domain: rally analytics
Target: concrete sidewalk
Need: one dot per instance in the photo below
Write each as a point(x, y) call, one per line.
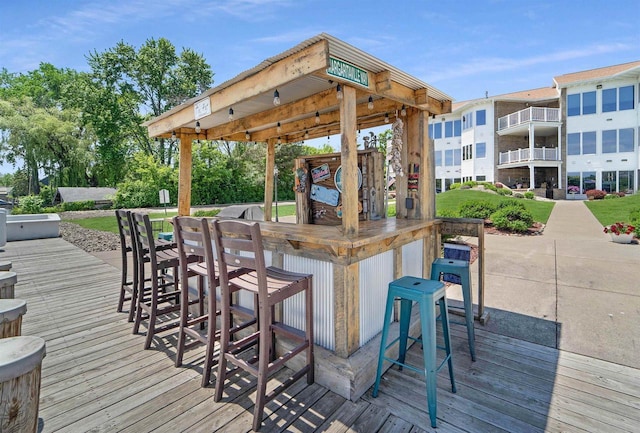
point(571, 288)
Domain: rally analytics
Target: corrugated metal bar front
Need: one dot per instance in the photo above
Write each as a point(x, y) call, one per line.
point(323, 312)
point(412, 259)
point(375, 275)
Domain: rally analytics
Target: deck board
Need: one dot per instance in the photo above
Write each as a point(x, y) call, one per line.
point(97, 376)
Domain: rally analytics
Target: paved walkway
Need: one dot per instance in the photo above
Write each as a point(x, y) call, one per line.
point(570, 288)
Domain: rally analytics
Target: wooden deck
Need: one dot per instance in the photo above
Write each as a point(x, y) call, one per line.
point(97, 377)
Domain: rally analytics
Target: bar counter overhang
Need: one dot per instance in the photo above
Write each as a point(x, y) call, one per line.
point(352, 263)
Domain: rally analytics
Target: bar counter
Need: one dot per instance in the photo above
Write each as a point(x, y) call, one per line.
point(351, 276)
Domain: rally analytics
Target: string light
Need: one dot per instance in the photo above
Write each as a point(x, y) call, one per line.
point(370, 104)
point(403, 111)
point(279, 140)
point(173, 135)
point(317, 117)
point(306, 135)
point(339, 92)
point(247, 136)
point(386, 117)
point(198, 127)
point(276, 98)
point(278, 128)
point(230, 113)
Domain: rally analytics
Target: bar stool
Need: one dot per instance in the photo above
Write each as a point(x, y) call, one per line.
point(196, 257)
point(460, 268)
point(128, 287)
point(426, 293)
point(239, 244)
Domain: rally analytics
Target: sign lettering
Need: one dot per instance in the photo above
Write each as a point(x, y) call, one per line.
point(202, 108)
point(347, 71)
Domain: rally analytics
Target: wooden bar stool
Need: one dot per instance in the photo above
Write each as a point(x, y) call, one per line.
point(426, 293)
point(128, 287)
point(441, 266)
point(239, 243)
point(196, 258)
point(154, 296)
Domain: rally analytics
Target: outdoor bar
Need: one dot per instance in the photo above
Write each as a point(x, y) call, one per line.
point(323, 87)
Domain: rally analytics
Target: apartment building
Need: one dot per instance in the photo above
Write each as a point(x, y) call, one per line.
point(579, 134)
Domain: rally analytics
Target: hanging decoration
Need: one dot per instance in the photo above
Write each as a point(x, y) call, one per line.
point(394, 151)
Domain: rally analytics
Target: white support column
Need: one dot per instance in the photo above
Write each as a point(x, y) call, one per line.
point(531, 175)
point(532, 139)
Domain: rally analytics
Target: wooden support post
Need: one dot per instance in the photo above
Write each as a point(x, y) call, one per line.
point(426, 208)
point(184, 176)
point(349, 161)
point(347, 308)
point(269, 178)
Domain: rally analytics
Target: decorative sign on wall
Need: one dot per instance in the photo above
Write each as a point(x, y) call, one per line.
point(337, 178)
point(324, 195)
point(347, 71)
point(320, 173)
point(202, 108)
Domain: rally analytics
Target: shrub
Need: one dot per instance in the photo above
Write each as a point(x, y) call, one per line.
point(492, 187)
point(78, 205)
point(518, 195)
point(470, 183)
point(30, 204)
point(611, 196)
point(206, 213)
point(504, 191)
point(512, 218)
point(529, 195)
point(597, 194)
point(454, 186)
point(47, 194)
point(476, 209)
point(511, 202)
point(447, 213)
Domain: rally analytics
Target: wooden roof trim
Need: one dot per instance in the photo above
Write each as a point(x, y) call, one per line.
point(307, 61)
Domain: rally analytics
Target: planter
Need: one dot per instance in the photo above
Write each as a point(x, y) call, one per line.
point(622, 238)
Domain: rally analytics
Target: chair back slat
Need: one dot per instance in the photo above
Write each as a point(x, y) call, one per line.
point(124, 229)
point(143, 234)
point(193, 238)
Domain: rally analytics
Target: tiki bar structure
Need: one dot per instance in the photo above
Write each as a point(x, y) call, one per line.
point(322, 87)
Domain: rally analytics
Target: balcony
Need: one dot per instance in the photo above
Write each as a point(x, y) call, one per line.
point(524, 155)
point(527, 116)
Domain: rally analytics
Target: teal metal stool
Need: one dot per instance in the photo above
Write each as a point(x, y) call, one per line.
point(460, 268)
point(426, 293)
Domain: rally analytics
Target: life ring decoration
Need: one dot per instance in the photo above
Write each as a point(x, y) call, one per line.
point(337, 178)
point(339, 209)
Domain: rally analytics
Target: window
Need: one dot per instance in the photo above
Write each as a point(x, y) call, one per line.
point(481, 117)
point(625, 181)
point(573, 180)
point(588, 180)
point(573, 143)
point(589, 143)
point(467, 152)
point(609, 183)
point(431, 131)
point(609, 141)
point(457, 156)
point(448, 158)
point(467, 120)
point(609, 100)
point(448, 129)
point(437, 130)
point(438, 158)
point(626, 97)
point(457, 128)
point(481, 150)
point(481, 178)
point(573, 105)
point(625, 140)
point(589, 102)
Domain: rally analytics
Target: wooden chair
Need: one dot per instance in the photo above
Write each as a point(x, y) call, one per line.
point(196, 258)
point(239, 243)
point(154, 298)
point(128, 287)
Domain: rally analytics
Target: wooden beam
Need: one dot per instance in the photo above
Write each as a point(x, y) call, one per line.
point(427, 188)
point(431, 104)
point(269, 179)
point(311, 59)
point(184, 176)
point(349, 161)
point(346, 286)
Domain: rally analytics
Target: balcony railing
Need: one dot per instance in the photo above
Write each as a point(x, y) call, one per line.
point(531, 114)
point(539, 154)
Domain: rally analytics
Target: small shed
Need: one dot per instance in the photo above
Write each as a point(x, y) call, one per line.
point(102, 197)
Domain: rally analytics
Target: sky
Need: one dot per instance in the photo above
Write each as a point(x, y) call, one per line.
point(463, 48)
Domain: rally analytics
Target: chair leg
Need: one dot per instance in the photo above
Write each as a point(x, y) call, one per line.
point(468, 313)
point(444, 318)
point(383, 344)
point(309, 333)
point(211, 338)
point(224, 345)
point(140, 300)
point(184, 317)
point(134, 291)
point(427, 319)
point(152, 314)
point(405, 319)
point(266, 339)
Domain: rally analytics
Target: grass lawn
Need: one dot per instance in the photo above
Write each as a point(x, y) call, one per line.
point(449, 201)
point(614, 210)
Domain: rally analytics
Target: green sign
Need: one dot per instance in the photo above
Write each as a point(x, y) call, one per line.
point(347, 71)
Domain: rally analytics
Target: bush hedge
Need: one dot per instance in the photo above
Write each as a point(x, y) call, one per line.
point(514, 218)
point(597, 194)
point(476, 209)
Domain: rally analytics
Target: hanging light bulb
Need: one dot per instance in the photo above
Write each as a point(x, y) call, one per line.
point(276, 98)
point(370, 104)
point(317, 117)
point(173, 135)
point(198, 127)
point(339, 91)
point(230, 113)
point(306, 135)
point(386, 117)
point(278, 128)
point(247, 136)
point(279, 140)
point(403, 111)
